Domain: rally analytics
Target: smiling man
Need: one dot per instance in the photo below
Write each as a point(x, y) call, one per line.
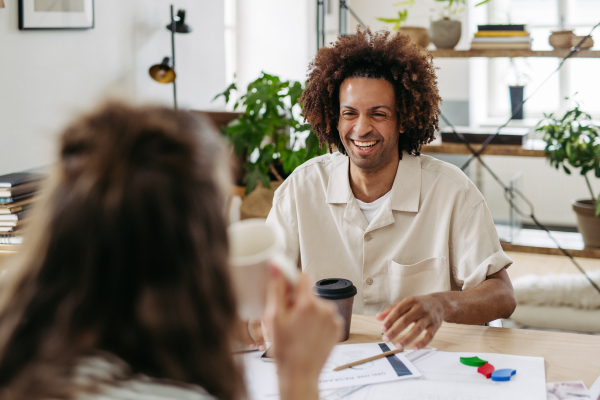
point(411, 232)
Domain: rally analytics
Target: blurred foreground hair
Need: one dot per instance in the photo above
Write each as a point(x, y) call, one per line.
point(126, 255)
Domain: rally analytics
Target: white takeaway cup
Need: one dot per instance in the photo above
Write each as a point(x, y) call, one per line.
point(252, 247)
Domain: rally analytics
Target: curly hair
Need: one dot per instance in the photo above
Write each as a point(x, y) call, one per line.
point(380, 55)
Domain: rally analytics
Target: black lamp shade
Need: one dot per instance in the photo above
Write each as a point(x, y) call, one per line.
point(163, 72)
point(180, 25)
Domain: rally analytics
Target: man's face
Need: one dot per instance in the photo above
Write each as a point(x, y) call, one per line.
point(368, 122)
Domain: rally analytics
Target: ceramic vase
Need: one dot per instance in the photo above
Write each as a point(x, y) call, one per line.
point(445, 33)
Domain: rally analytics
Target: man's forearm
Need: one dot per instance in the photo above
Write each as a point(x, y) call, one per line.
point(492, 299)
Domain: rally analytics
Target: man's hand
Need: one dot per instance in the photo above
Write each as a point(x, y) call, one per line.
point(426, 312)
point(492, 299)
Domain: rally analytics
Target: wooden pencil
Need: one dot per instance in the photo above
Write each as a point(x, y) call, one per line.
point(365, 360)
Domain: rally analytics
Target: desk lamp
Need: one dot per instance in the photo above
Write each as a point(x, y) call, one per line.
point(165, 71)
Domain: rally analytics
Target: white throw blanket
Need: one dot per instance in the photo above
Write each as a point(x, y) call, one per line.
point(564, 290)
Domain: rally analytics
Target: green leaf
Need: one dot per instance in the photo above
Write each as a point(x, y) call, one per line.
point(388, 20)
point(598, 206)
point(295, 91)
point(255, 173)
point(226, 93)
point(567, 170)
point(292, 159)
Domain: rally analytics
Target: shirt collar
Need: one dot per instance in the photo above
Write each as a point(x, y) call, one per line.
point(338, 187)
point(406, 189)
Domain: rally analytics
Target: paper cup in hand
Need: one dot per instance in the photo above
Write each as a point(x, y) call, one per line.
point(252, 247)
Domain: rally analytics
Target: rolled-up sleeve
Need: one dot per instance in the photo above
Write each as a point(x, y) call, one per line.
point(476, 252)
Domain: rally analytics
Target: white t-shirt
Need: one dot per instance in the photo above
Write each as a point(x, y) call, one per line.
point(370, 210)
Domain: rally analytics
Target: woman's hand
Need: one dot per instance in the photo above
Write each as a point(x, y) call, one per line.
point(303, 329)
point(250, 335)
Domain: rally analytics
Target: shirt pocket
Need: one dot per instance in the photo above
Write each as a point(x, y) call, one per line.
point(427, 276)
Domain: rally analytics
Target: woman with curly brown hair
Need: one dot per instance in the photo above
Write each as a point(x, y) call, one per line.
point(406, 228)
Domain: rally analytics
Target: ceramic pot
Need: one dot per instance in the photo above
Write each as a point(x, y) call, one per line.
point(516, 98)
point(587, 43)
point(417, 34)
point(445, 33)
point(561, 39)
point(588, 224)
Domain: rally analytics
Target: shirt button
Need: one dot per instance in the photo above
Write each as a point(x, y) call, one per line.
point(369, 281)
point(368, 239)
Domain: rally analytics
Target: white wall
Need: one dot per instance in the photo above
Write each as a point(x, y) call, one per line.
point(276, 37)
point(47, 77)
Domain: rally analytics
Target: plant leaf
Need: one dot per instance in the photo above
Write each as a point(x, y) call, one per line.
point(255, 173)
point(226, 93)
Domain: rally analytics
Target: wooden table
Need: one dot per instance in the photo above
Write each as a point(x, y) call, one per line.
point(568, 357)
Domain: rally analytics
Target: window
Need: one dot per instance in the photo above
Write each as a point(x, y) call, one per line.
point(577, 75)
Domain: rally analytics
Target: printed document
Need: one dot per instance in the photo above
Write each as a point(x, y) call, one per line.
point(261, 376)
point(444, 377)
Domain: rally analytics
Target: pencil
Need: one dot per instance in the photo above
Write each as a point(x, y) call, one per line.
point(365, 360)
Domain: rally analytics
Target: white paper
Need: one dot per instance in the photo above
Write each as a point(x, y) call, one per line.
point(568, 391)
point(595, 390)
point(261, 377)
point(445, 378)
point(369, 373)
point(338, 394)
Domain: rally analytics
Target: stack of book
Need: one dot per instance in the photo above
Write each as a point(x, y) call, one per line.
point(501, 37)
point(17, 194)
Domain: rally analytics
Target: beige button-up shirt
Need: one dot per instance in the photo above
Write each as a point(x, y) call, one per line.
point(434, 233)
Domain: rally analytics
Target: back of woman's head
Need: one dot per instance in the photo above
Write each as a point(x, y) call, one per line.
point(127, 255)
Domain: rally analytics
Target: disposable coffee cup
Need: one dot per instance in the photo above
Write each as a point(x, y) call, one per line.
point(252, 247)
point(341, 292)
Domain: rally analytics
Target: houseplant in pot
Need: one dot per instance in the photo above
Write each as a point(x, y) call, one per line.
point(418, 34)
point(269, 137)
point(445, 32)
point(517, 87)
point(574, 141)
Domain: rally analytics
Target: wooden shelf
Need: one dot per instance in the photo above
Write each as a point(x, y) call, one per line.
point(443, 53)
point(538, 242)
point(532, 148)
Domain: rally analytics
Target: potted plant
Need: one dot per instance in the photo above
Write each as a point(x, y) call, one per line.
point(417, 34)
point(445, 32)
point(269, 137)
point(575, 141)
point(517, 88)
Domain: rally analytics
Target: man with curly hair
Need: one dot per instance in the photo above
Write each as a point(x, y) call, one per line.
point(411, 232)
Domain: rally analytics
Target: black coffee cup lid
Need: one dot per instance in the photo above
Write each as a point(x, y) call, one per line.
point(334, 289)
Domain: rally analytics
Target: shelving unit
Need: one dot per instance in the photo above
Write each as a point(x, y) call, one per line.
point(531, 148)
point(443, 53)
